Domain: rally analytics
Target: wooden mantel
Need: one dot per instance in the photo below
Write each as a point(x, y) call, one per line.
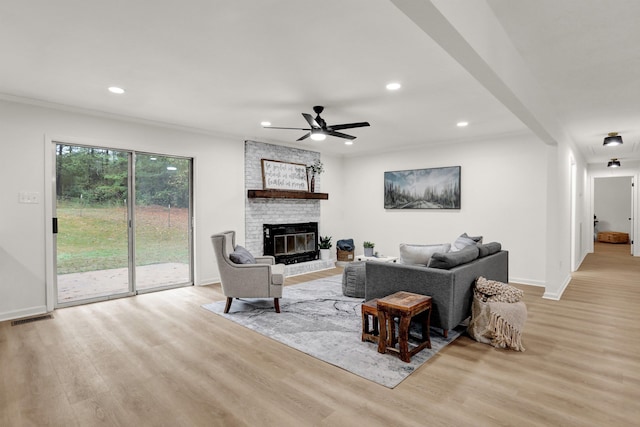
point(285, 194)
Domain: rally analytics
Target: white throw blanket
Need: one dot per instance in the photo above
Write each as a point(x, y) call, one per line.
point(496, 322)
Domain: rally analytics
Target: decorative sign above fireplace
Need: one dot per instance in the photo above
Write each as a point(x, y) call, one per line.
point(277, 175)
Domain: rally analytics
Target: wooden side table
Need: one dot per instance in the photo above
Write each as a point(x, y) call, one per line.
point(370, 331)
point(404, 305)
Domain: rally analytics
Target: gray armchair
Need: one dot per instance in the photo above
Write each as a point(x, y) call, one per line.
point(262, 279)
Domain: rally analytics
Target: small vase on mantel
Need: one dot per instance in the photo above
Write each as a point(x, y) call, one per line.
point(315, 168)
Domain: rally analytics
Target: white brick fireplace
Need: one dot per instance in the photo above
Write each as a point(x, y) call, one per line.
point(277, 211)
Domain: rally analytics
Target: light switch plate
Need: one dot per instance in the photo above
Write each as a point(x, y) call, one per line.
point(30, 197)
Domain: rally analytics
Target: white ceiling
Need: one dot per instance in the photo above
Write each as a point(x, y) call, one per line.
point(224, 66)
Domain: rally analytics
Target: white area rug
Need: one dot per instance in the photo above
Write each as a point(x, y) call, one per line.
point(318, 320)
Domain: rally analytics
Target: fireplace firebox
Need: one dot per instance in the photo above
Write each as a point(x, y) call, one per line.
point(291, 243)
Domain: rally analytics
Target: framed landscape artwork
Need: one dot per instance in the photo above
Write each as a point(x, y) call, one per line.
point(434, 188)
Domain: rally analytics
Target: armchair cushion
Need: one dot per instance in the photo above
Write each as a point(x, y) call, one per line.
point(242, 256)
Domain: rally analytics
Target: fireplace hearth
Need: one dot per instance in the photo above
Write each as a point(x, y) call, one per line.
point(291, 243)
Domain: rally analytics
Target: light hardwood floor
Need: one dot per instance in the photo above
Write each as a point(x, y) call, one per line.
point(161, 360)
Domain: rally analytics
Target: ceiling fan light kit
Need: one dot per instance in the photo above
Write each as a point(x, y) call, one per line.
point(318, 136)
point(319, 129)
point(612, 139)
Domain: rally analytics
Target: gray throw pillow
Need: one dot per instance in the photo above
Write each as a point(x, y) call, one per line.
point(489, 249)
point(453, 259)
point(483, 251)
point(241, 256)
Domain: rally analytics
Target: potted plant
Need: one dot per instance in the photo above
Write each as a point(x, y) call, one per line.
point(315, 169)
point(368, 248)
point(325, 245)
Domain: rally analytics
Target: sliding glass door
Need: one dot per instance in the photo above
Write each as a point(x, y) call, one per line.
point(163, 221)
point(123, 223)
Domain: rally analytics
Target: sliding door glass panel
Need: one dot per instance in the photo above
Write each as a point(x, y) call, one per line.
point(92, 244)
point(162, 225)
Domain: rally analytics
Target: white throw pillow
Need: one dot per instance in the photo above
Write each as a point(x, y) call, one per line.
point(465, 240)
point(420, 254)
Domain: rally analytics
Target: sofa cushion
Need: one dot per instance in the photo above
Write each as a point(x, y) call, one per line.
point(449, 260)
point(420, 254)
point(465, 240)
point(489, 249)
point(242, 256)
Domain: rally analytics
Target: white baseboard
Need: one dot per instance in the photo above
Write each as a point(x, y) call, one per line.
point(547, 294)
point(26, 312)
point(204, 282)
point(527, 281)
point(558, 294)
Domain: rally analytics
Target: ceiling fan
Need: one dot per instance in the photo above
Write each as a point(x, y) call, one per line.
point(318, 127)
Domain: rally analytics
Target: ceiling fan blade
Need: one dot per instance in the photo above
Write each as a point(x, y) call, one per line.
point(275, 127)
point(305, 136)
point(349, 126)
point(339, 134)
point(312, 122)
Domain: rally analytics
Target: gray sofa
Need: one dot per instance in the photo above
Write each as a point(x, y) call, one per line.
point(451, 289)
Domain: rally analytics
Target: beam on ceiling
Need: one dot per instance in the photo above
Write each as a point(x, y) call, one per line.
point(471, 34)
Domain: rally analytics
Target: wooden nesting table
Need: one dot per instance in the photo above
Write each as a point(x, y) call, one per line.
point(370, 330)
point(405, 306)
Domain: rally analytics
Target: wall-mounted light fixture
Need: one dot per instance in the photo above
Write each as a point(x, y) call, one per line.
point(613, 163)
point(612, 139)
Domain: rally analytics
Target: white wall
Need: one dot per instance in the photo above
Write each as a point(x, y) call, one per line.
point(334, 219)
point(503, 188)
point(565, 226)
point(218, 189)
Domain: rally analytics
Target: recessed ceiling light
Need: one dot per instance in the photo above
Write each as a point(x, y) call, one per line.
point(117, 90)
point(265, 123)
point(393, 86)
point(462, 124)
point(348, 142)
point(172, 168)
